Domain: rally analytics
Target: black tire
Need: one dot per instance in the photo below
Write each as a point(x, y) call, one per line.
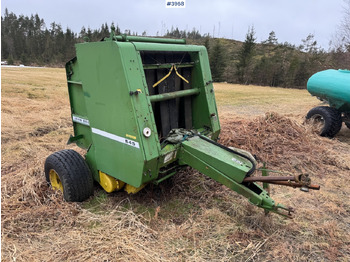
point(347, 119)
point(72, 173)
point(330, 119)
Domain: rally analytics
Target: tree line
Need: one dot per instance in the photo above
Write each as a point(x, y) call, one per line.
point(271, 63)
point(27, 40)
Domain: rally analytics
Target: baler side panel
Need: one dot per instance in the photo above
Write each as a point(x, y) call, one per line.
point(115, 132)
point(142, 108)
point(204, 105)
point(77, 104)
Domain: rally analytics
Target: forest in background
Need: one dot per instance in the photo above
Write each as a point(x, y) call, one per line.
point(28, 40)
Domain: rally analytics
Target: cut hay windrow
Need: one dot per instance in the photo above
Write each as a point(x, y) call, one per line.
point(282, 143)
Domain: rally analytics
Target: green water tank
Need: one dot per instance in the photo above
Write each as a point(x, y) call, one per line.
point(332, 86)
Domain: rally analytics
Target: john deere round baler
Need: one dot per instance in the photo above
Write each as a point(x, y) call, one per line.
point(143, 108)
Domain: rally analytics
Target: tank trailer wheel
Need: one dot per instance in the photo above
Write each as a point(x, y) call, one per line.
point(326, 119)
point(68, 172)
point(347, 120)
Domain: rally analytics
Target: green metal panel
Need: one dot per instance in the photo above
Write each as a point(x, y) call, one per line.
point(78, 106)
point(172, 95)
point(108, 74)
point(140, 102)
point(128, 38)
point(140, 46)
point(333, 86)
point(205, 109)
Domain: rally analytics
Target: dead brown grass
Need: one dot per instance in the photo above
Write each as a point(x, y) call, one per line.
point(251, 101)
point(189, 218)
point(283, 143)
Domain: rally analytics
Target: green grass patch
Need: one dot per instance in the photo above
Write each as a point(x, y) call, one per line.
point(96, 203)
point(176, 209)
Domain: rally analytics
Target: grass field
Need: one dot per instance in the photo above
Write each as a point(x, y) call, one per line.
point(188, 218)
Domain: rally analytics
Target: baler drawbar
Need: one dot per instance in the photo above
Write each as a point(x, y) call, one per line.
point(143, 108)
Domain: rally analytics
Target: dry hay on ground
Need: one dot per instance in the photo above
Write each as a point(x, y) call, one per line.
point(37, 225)
point(193, 218)
point(283, 143)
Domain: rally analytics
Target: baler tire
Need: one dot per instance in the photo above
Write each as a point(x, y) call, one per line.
point(331, 117)
point(74, 177)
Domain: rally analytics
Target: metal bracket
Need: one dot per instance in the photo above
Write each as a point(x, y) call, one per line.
point(73, 139)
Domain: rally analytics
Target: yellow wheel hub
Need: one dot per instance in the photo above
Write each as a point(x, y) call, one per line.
point(55, 180)
point(109, 183)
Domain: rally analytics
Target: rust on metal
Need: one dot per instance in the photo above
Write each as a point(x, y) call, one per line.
point(286, 183)
point(269, 178)
point(303, 181)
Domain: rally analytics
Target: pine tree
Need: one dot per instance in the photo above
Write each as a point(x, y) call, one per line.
point(245, 56)
point(217, 62)
point(272, 40)
point(207, 45)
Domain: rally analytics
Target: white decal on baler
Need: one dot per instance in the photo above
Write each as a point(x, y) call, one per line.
point(80, 120)
point(119, 139)
point(237, 161)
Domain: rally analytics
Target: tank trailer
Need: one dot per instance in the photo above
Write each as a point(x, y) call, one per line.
point(333, 87)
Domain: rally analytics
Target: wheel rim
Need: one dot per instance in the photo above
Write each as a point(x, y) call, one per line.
point(318, 123)
point(55, 181)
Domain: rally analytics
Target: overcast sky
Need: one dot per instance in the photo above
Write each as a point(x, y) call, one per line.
point(292, 20)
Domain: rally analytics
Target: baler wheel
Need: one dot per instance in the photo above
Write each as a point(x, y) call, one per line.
point(68, 172)
point(327, 119)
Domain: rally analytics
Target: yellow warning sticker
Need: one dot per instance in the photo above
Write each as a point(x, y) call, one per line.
point(130, 136)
